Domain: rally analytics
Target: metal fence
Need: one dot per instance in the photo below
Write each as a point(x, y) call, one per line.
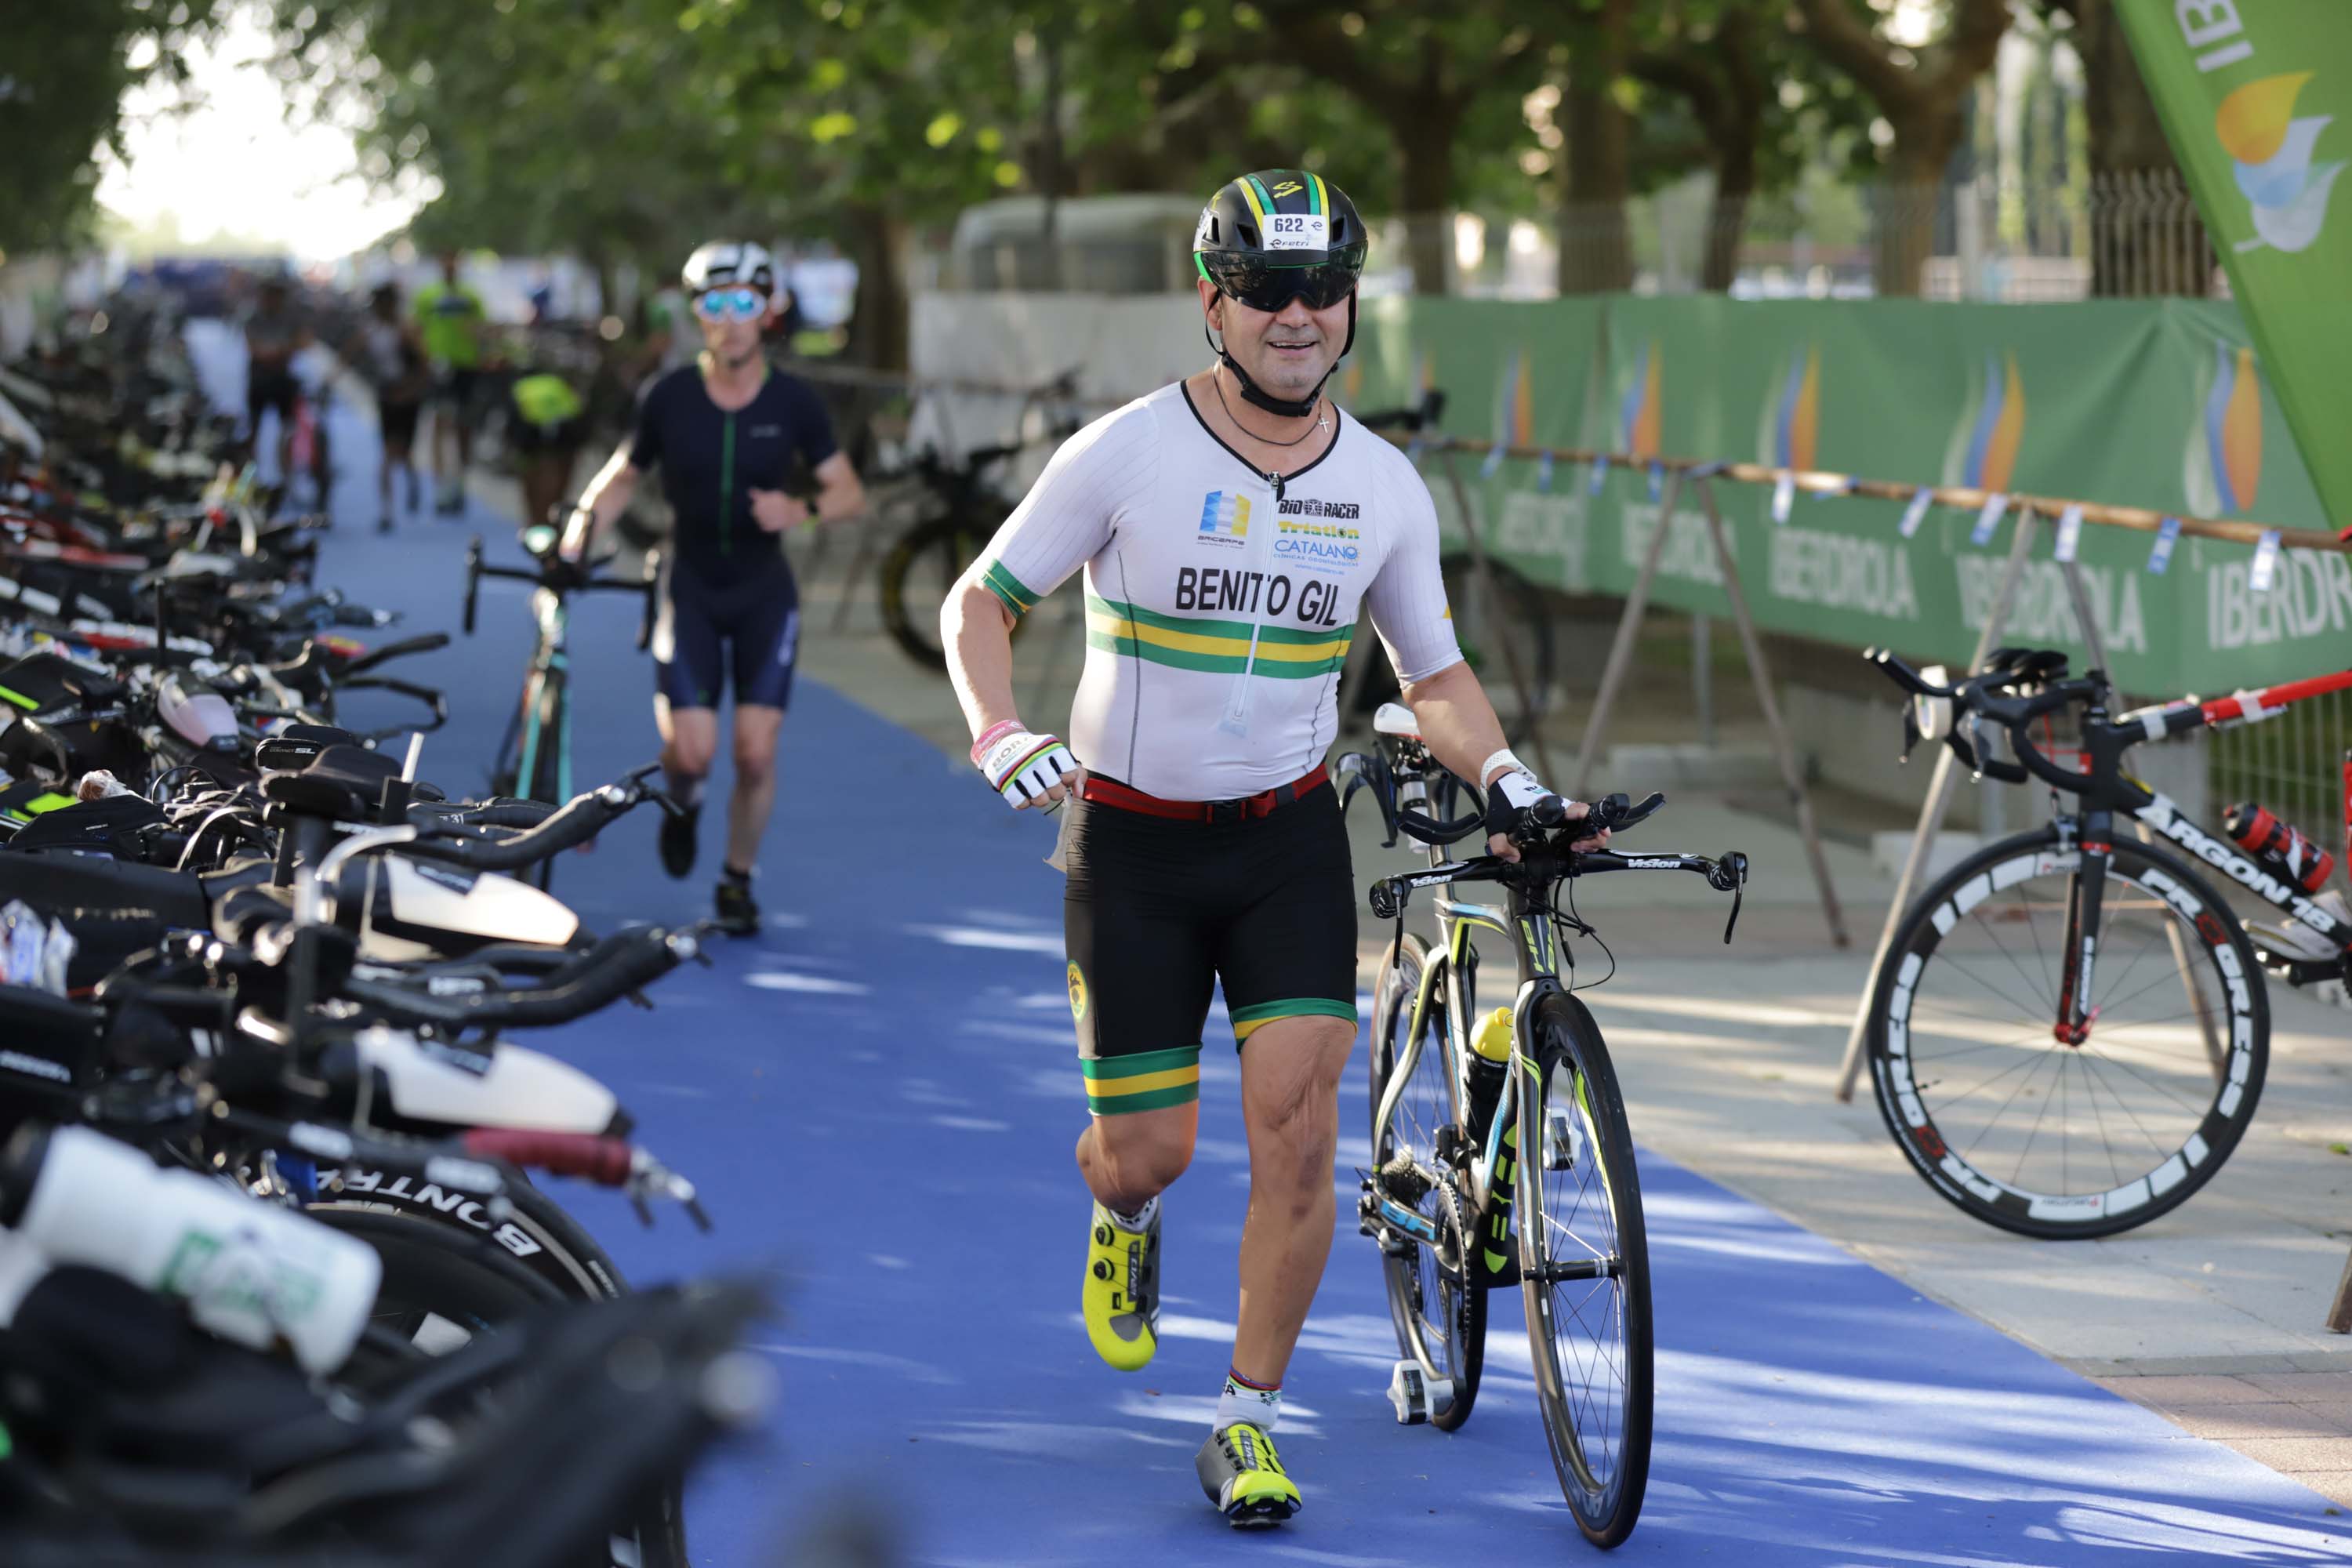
point(1981, 239)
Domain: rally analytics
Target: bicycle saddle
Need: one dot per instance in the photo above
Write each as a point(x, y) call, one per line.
point(339, 781)
point(291, 749)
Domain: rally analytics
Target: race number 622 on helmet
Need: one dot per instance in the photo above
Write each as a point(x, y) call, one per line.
point(1273, 236)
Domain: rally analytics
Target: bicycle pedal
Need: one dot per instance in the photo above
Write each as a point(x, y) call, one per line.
point(1416, 1395)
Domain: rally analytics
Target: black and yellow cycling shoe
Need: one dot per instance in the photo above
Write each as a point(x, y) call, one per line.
point(1245, 1478)
point(1122, 1291)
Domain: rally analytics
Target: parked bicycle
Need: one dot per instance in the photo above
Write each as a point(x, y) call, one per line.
point(534, 755)
point(2069, 1032)
point(923, 565)
point(1454, 1208)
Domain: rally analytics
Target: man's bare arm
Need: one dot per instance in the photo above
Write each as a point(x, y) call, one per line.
point(605, 498)
point(839, 494)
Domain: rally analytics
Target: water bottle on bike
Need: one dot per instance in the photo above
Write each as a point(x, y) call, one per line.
point(2284, 850)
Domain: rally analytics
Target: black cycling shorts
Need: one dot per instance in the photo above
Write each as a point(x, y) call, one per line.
point(399, 422)
point(270, 389)
point(536, 440)
point(749, 628)
point(1157, 911)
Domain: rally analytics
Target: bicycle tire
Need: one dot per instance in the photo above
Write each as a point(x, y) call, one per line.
point(1903, 1074)
point(1438, 1310)
point(935, 549)
point(1599, 1439)
point(441, 1281)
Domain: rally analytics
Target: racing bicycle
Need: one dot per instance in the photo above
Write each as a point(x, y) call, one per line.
point(534, 757)
point(2069, 1032)
point(1501, 1154)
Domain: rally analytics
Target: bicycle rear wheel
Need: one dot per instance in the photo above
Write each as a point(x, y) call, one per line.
point(918, 572)
point(1584, 1271)
point(2012, 1124)
point(1438, 1308)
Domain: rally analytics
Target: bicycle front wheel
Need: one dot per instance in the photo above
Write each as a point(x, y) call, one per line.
point(1438, 1308)
point(2009, 1120)
point(1584, 1270)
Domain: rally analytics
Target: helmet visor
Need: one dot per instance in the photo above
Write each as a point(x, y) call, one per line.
point(1269, 286)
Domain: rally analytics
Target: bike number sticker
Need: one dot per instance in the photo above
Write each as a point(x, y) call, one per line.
point(1297, 231)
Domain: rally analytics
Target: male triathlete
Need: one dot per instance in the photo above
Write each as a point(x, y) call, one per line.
point(449, 316)
point(275, 332)
point(1234, 527)
point(727, 433)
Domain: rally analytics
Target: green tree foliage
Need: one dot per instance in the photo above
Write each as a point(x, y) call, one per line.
point(63, 75)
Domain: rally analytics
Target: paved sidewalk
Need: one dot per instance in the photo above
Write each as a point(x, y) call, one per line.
point(2211, 1316)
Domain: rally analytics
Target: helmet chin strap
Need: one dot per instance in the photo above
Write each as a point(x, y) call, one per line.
point(1255, 393)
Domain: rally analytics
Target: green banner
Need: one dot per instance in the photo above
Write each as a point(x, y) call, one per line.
point(2256, 96)
point(2105, 401)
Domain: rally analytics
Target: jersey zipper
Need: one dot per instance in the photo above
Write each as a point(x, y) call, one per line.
point(726, 487)
point(1236, 718)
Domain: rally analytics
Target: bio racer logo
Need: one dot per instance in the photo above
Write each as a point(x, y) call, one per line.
point(2273, 153)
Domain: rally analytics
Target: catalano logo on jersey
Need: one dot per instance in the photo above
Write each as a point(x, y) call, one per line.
point(1224, 517)
point(2271, 153)
point(2222, 469)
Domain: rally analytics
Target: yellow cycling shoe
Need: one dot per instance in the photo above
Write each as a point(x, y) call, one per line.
point(1122, 1291)
point(1245, 1478)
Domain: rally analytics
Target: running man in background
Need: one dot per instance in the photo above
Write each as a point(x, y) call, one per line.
point(449, 318)
point(546, 418)
point(391, 355)
point(730, 434)
point(275, 332)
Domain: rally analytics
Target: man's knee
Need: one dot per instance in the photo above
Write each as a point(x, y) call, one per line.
point(690, 753)
point(754, 765)
point(1144, 1152)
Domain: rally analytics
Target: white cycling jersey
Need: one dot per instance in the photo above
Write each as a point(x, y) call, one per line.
point(1221, 602)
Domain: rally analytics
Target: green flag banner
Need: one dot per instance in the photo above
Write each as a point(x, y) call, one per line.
point(2256, 96)
point(2110, 401)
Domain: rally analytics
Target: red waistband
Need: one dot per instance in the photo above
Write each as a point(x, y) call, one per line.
point(1100, 790)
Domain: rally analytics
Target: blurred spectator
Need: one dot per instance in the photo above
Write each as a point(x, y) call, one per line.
point(449, 316)
point(390, 354)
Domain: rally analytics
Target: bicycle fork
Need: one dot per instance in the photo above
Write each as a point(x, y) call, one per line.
point(2085, 897)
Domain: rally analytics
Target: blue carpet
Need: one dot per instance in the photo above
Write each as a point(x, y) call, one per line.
point(878, 1096)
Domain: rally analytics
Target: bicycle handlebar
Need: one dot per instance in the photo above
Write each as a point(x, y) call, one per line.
point(1987, 696)
point(444, 837)
point(619, 965)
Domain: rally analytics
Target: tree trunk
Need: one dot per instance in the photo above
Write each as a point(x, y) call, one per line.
point(1424, 136)
point(1595, 256)
point(1726, 218)
point(880, 327)
point(2147, 236)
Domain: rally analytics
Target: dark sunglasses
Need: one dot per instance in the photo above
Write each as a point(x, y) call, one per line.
point(1268, 287)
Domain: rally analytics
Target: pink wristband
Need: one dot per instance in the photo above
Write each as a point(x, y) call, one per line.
point(993, 735)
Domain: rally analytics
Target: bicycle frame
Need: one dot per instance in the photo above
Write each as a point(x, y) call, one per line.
point(551, 660)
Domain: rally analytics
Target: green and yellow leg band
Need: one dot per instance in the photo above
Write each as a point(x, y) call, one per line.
point(1009, 590)
point(1248, 1021)
point(1149, 1080)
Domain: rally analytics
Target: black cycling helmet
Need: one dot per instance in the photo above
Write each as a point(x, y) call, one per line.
point(1278, 235)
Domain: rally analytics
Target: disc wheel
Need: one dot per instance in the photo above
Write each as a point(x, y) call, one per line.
point(1438, 1306)
point(2022, 1129)
point(1584, 1271)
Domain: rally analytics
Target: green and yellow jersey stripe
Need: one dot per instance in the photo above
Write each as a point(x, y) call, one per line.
point(1217, 647)
point(1016, 596)
point(1149, 1080)
point(1249, 1020)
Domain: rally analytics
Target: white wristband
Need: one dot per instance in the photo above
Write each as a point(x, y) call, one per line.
point(1502, 759)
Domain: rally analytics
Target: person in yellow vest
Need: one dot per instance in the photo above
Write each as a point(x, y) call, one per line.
point(449, 318)
point(547, 423)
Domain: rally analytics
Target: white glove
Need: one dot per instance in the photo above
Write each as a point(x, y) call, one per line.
point(1022, 766)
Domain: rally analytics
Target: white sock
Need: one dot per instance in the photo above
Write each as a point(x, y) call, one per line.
point(1260, 1406)
point(1140, 1219)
